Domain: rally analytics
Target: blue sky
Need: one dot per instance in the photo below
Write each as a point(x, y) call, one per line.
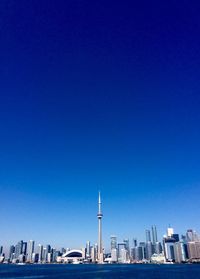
point(98, 96)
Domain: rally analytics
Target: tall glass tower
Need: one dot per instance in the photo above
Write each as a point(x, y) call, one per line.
point(154, 234)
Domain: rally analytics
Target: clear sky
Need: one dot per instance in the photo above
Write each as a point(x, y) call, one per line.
point(98, 95)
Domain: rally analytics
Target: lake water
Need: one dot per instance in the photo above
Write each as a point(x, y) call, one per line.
point(100, 271)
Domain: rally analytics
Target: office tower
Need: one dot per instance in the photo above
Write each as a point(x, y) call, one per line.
point(149, 250)
point(18, 249)
point(113, 248)
point(30, 250)
point(88, 249)
point(170, 231)
point(40, 253)
point(93, 254)
point(24, 248)
point(11, 253)
point(168, 244)
point(142, 245)
point(193, 251)
point(139, 253)
point(100, 246)
point(49, 257)
point(114, 253)
point(154, 235)
point(148, 235)
point(1, 250)
point(192, 236)
point(48, 248)
point(35, 257)
point(180, 252)
point(113, 242)
point(44, 255)
point(120, 249)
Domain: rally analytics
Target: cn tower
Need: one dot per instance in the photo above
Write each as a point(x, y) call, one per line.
point(99, 216)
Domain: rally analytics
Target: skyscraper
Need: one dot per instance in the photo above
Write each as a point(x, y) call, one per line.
point(88, 249)
point(154, 235)
point(30, 250)
point(99, 216)
point(113, 242)
point(148, 235)
point(40, 252)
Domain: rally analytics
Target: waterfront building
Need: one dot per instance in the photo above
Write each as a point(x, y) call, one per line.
point(149, 250)
point(180, 252)
point(168, 244)
point(158, 258)
point(18, 249)
point(40, 253)
point(44, 255)
point(114, 255)
point(93, 254)
point(24, 248)
point(120, 249)
point(143, 249)
point(88, 249)
point(31, 247)
point(193, 251)
point(11, 253)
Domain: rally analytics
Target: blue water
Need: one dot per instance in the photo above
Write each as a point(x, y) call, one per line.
point(100, 271)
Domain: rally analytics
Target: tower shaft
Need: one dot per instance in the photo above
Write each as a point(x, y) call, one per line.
point(100, 246)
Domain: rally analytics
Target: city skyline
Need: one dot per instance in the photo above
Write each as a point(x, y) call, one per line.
point(98, 96)
point(150, 235)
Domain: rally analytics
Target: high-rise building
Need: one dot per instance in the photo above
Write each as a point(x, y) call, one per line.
point(168, 244)
point(93, 254)
point(149, 250)
point(192, 236)
point(100, 245)
point(1, 250)
point(180, 252)
point(154, 234)
point(18, 249)
point(148, 235)
point(30, 250)
point(113, 242)
point(11, 253)
point(88, 249)
point(193, 250)
point(40, 253)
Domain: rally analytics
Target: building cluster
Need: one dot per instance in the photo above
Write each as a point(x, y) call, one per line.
point(172, 249)
point(27, 252)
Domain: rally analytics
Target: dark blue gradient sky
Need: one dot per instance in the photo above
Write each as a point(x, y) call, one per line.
point(98, 95)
